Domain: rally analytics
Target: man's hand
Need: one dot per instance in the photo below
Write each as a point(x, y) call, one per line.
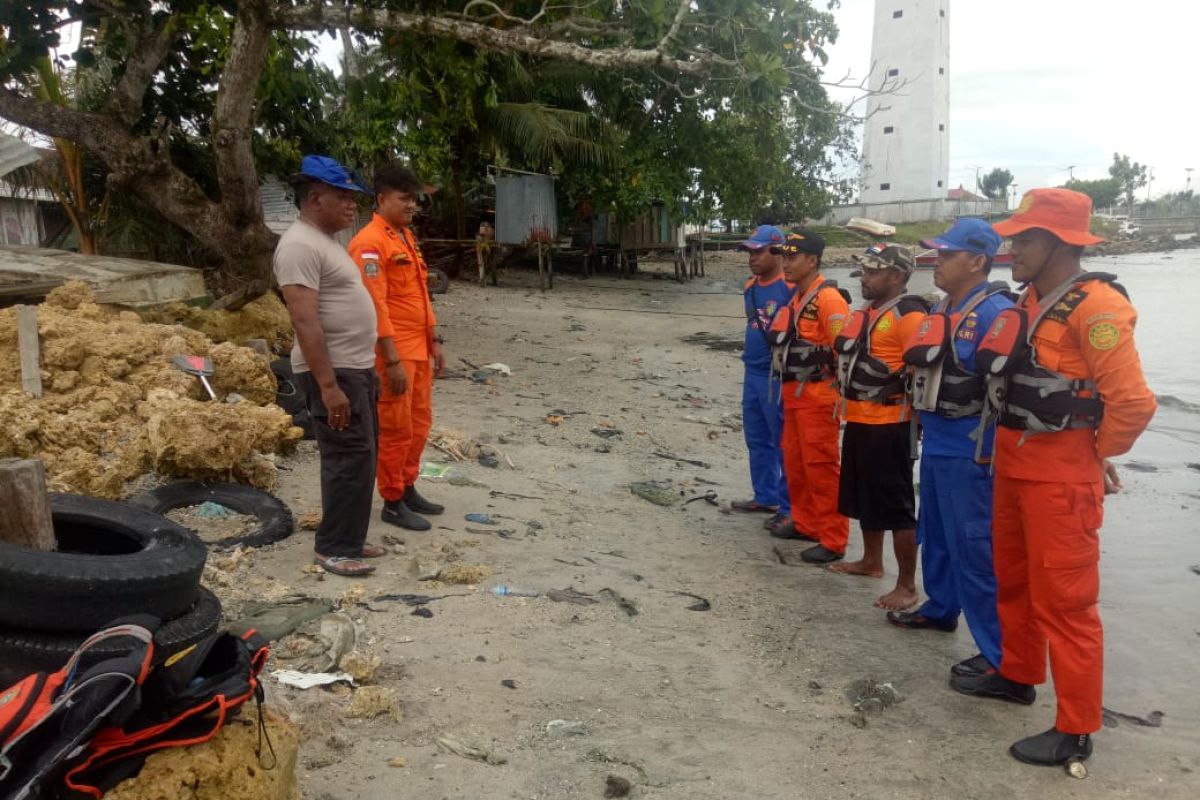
point(1112, 481)
point(397, 378)
point(337, 406)
point(439, 359)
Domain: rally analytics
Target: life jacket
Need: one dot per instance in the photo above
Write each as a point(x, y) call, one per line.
point(796, 359)
point(860, 375)
point(47, 718)
point(1021, 393)
point(939, 382)
point(185, 701)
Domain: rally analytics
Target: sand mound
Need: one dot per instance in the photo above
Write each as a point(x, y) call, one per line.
point(265, 318)
point(114, 406)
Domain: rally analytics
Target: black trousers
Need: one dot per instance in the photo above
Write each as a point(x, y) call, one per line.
point(347, 461)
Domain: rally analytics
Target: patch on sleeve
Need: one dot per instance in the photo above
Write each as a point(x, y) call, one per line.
point(1104, 336)
point(1063, 308)
point(836, 323)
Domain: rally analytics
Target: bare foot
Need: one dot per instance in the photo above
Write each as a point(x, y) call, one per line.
point(857, 568)
point(898, 599)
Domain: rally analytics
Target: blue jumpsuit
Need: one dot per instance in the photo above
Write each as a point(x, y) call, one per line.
point(954, 527)
point(762, 408)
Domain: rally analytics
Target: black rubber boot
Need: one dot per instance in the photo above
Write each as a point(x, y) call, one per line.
point(775, 519)
point(398, 513)
point(975, 665)
point(993, 684)
point(414, 501)
point(787, 530)
point(821, 555)
point(1053, 748)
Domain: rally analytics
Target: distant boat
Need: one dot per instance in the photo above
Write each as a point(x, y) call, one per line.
point(870, 227)
point(928, 260)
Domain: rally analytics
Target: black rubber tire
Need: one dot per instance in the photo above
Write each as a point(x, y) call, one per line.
point(24, 652)
point(274, 517)
point(439, 282)
point(113, 560)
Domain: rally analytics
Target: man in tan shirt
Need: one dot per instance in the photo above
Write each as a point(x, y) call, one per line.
point(333, 359)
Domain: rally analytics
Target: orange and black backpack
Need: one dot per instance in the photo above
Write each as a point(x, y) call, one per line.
point(47, 719)
point(185, 701)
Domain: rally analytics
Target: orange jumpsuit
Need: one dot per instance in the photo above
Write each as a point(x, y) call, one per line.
point(811, 457)
point(1048, 504)
point(396, 276)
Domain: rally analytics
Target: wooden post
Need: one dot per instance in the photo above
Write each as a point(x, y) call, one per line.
point(541, 267)
point(24, 504)
point(30, 347)
point(550, 266)
point(480, 261)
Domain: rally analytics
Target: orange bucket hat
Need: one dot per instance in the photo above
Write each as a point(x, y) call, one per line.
point(1062, 212)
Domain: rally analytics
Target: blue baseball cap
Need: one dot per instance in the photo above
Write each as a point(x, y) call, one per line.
point(967, 234)
point(326, 170)
point(763, 236)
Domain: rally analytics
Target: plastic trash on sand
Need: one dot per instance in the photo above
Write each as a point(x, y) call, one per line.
point(307, 680)
point(210, 510)
point(502, 369)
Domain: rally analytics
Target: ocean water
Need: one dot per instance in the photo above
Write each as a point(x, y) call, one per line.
point(1165, 289)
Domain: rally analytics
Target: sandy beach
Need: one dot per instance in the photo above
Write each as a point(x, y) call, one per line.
point(746, 699)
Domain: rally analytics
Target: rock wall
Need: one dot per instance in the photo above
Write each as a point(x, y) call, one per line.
point(114, 406)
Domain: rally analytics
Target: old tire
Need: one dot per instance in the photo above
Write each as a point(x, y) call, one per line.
point(274, 517)
point(113, 560)
point(439, 281)
point(24, 652)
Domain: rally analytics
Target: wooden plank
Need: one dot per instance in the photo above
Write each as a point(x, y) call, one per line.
point(31, 351)
point(25, 518)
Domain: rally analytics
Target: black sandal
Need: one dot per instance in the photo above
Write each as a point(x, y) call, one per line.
point(916, 621)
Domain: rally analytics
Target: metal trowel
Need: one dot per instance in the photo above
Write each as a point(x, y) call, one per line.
point(200, 366)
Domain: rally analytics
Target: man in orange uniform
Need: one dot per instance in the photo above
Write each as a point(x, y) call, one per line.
point(409, 351)
point(802, 350)
point(1073, 396)
point(876, 486)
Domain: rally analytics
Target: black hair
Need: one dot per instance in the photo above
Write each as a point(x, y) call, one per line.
point(302, 186)
point(397, 178)
point(987, 264)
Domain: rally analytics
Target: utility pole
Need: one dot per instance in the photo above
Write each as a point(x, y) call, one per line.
point(1071, 173)
point(1014, 196)
point(1188, 187)
point(1149, 182)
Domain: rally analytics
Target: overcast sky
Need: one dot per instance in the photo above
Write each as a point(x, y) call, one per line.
point(1038, 85)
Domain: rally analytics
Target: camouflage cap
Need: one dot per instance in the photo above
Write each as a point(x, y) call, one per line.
point(886, 256)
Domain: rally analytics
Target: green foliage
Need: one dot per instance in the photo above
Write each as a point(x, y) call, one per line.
point(1130, 176)
point(995, 183)
point(1104, 192)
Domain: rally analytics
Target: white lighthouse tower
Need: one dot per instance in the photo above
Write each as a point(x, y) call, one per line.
point(906, 141)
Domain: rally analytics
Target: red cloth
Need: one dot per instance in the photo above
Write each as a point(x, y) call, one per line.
point(1047, 554)
point(812, 462)
point(404, 424)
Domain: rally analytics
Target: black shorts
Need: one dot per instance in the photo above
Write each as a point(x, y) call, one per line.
point(876, 487)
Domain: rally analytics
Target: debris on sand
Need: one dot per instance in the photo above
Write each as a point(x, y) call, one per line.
point(370, 702)
point(115, 408)
point(560, 728)
point(398, 761)
point(658, 492)
point(870, 698)
point(456, 746)
point(461, 573)
point(361, 666)
point(310, 521)
point(1114, 718)
point(616, 786)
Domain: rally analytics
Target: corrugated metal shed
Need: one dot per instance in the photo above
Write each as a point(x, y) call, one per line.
point(525, 209)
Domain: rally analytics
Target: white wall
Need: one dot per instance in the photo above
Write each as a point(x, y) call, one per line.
point(912, 160)
point(914, 210)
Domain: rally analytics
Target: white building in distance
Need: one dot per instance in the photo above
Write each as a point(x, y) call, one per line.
point(906, 139)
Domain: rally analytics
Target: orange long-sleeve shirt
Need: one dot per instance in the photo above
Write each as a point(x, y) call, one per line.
point(395, 274)
point(1087, 335)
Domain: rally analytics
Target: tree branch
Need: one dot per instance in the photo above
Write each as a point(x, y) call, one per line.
point(234, 113)
point(520, 39)
point(147, 54)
